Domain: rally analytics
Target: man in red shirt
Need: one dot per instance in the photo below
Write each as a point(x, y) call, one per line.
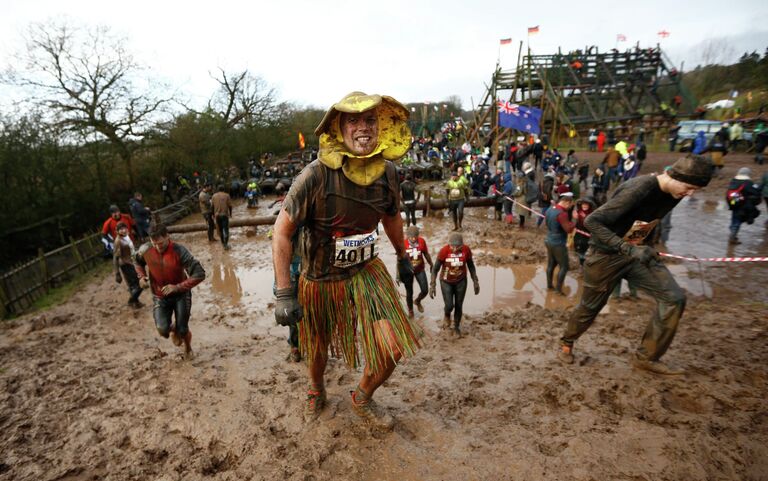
point(115, 217)
point(416, 249)
point(454, 259)
point(172, 273)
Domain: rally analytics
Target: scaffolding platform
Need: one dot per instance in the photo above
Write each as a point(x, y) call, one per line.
point(586, 89)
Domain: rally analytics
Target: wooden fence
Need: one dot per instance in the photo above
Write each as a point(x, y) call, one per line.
point(24, 284)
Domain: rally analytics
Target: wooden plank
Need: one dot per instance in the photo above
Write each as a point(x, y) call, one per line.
point(43, 268)
point(5, 305)
point(77, 255)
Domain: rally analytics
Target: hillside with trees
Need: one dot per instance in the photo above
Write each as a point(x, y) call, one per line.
point(748, 78)
point(92, 127)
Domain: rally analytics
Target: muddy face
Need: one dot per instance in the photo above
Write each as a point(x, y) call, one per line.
point(675, 188)
point(160, 243)
point(360, 132)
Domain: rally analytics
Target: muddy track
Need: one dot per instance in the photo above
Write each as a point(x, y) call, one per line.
point(88, 390)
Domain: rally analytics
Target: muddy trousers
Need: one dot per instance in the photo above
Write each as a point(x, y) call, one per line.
point(421, 278)
point(222, 222)
point(132, 281)
point(543, 213)
point(602, 272)
point(409, 207)
point(557, 255)
point(176, 305)
point(453, 298)
point(211, 225)
point(457, 211)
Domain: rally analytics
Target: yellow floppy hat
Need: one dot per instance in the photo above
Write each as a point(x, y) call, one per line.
point(394, 136)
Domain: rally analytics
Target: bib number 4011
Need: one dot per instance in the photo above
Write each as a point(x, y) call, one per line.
point(354, 249)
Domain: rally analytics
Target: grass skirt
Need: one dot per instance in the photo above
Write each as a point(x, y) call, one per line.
point(343, 315)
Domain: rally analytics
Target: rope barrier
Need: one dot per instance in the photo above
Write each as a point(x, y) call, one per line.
point(664, 254)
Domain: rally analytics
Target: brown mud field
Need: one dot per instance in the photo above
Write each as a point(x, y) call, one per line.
point(89, 391)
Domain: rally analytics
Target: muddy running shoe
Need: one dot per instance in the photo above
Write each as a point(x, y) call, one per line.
point(418, 305)
point(295, 355)
point(315, 404)
point(456, 332)
point(446, 323)
point(565, 354)
point(656, 367)
point(374, 415)
point(410, 314)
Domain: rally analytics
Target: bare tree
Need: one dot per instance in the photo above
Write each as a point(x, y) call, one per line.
point(716, 51)
point(243, 98)
point(86, 78)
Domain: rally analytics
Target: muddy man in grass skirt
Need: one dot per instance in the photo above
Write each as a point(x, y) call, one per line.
point(347, 304)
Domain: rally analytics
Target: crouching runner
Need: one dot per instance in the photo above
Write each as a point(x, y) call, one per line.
point(172, 272)
point(347, 301)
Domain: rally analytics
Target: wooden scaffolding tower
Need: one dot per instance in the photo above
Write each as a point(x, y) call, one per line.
point(586, 89)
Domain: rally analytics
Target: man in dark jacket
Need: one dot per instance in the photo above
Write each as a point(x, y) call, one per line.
point(619, 248)
point(743, 197)
point(141, 215)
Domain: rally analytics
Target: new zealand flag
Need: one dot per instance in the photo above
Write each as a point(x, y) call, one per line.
point(519, 117)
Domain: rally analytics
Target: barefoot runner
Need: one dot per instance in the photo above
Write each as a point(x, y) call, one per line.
point(347, 301)
point(172, 273)
point(618, 249)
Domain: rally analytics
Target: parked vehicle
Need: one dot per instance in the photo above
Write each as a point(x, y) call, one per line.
point(690, 128)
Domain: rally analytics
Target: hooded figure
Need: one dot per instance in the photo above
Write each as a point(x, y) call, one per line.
point(699, 143)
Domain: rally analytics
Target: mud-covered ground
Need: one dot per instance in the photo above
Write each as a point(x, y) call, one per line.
point(89, 391)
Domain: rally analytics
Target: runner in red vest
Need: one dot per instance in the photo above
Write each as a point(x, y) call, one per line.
point(172, 272)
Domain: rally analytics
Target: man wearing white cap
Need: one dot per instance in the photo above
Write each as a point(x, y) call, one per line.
point(743, 197)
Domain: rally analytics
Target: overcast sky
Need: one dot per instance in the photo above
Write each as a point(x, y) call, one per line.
point(315, 51)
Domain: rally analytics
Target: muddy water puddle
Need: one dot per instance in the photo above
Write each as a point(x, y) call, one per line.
point(500, 287)
point(700, 228)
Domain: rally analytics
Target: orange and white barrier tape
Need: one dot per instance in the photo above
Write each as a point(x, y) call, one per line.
point(663, 254)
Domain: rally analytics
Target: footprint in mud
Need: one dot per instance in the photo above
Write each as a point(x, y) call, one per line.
point(682, 403)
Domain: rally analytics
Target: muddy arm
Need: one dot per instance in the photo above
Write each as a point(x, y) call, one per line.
point(282, 249)
point(393, 226)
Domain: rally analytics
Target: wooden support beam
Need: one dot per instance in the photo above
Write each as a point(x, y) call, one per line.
point(434, 204)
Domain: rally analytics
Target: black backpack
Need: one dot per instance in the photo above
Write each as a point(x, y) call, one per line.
point(533, 192)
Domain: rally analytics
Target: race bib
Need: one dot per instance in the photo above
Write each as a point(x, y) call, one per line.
point(455, 193)
point(354, 249)
point(639, 231)
point(455, 261)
